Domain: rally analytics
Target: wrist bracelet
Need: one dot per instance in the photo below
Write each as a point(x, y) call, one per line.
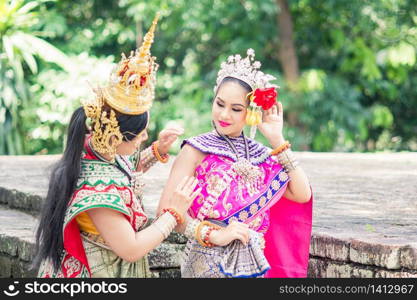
point(206, 238)
point(281, 148)
point(203, 231)
point(165, 223)
point(190, 229)
point(177, 216)
point(162, 158)
point(287, 159)
point(148, 159)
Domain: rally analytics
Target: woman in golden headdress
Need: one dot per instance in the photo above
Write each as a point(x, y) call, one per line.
point(93, 223)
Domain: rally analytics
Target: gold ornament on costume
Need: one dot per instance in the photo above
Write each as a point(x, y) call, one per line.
point(131, 89)
point(106, 134)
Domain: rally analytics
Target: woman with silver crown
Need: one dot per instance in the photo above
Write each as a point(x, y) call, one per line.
point(92, 222)
point(253, 215)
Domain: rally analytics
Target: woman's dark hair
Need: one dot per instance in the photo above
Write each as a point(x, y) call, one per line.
point(131, 125)
point(63, 180)
point(235, 80)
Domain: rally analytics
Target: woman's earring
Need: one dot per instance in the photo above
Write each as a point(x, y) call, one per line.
point(136, 159)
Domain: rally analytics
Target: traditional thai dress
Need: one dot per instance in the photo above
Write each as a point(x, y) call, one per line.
point(86, 254)
point(259, 202)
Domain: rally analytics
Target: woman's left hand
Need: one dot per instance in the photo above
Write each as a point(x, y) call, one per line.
point(272, 123)
point(167, 137)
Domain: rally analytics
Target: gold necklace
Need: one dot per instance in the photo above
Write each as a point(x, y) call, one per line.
point(249, 173)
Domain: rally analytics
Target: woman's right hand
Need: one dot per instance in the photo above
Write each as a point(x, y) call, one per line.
point(183, 195)
point(233, 231)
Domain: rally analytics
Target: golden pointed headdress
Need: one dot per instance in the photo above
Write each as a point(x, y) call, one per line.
point(131, 89)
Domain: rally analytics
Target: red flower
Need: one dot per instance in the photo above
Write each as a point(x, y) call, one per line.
point(265, 97)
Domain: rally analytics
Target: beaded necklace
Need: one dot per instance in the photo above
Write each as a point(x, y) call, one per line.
point(250, 174)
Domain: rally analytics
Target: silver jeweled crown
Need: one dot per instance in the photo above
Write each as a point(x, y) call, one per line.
point(246, 69)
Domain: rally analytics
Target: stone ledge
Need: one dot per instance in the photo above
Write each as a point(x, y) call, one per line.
point(392, 256)
point(329, 247)
point(19, 200)
point(324, 268)
point(408, 256)
point(386, 256)
point(14, 267)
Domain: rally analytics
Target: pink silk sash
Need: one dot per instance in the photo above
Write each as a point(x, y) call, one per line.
point(288, 238)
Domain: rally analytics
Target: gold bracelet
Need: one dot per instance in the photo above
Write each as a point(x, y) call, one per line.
point(198, 233)
point(200, 238)
point(281, 148)
point(147, 158)
point(162, 158)
point(190, 228)
point(288, 160)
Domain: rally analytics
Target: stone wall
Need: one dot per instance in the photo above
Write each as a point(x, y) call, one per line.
point(349, 258)
point(364, 222)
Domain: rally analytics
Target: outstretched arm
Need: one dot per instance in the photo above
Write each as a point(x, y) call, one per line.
point(130, 245)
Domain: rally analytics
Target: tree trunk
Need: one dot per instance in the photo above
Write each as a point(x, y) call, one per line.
point(289, 62)
point(287, 54)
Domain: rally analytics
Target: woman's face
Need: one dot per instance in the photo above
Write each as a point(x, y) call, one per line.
point(129, 147)
point(229, 109)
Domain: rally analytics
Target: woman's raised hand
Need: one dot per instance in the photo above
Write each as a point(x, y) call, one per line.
point(167, 137)
point(184, 195)
point(272, 122)
point(233, 231)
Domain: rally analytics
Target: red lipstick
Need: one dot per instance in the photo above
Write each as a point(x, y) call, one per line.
point(224, 124)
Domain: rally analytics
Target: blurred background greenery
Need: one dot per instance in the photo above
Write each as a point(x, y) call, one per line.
point(347, 69)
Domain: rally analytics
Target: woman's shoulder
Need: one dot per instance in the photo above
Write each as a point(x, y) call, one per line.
point(191, 155)
point(201, 141)
point(196, 148)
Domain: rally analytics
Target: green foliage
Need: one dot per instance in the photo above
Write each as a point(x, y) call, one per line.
point(56, 95)
point(19, 47)
point(370, 46)
point(357, 62)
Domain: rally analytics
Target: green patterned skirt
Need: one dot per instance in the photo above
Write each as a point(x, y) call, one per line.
point(104, 263)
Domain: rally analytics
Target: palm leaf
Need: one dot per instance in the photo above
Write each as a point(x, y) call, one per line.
point(8, 48)
point(45, 50)
point(27, 7)
point(13, 6)
point(30, 61)
point(25, 51)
